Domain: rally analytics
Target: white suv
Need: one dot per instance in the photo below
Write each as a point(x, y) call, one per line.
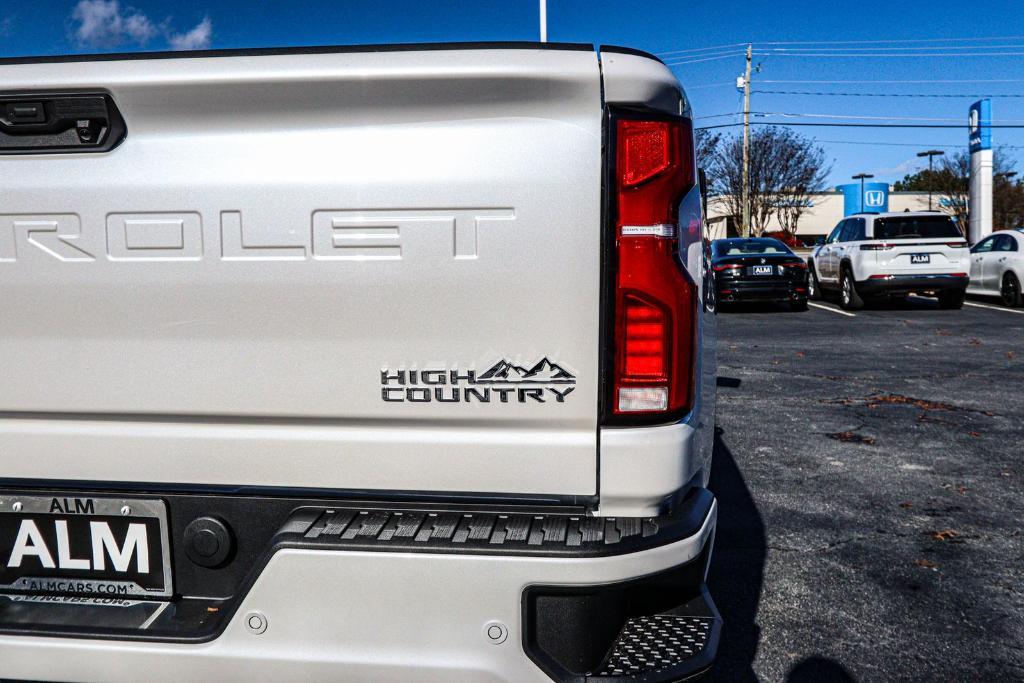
point(879, 255)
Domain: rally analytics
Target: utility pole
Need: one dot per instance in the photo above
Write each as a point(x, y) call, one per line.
point(746, 143)
point(931, 154)
point(543, 21)
point(861, 177)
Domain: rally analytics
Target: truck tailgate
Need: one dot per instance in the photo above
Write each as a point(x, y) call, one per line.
point(342, 270)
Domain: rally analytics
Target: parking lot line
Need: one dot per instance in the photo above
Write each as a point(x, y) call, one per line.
point(833, 310)
point(995, 308)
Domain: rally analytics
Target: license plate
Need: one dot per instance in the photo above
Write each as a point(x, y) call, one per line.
point(920, 258)
point(67, 544)
point(762, 270)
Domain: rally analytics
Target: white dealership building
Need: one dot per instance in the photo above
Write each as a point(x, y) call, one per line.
point(823, 212)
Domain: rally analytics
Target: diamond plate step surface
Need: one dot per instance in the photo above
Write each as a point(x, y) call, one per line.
point(651, 644)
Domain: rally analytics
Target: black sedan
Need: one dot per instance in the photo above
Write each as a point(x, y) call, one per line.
point(758, 269)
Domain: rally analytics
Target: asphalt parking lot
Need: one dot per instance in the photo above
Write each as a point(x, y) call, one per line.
point(870, 476)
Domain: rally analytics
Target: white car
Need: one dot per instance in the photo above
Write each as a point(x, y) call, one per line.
point(890, 255)
point(997, 266)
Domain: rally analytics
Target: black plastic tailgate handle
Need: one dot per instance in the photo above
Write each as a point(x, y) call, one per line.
point(41, 123)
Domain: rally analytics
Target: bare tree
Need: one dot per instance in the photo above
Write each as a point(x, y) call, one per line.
point(953, 184)
point(951, 181)
point(785, 168)
point(707, 145)
point(804, 175)
point(1007, 203)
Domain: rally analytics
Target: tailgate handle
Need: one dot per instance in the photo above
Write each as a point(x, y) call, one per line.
point(47, 123)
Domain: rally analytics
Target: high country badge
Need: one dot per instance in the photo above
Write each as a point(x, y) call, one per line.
point(503, 382)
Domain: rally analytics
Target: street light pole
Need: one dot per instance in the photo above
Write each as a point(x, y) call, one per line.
point(543, 21)
point(931, 153)
point(861, 177)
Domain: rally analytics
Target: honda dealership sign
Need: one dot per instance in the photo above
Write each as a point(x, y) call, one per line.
point(979, 122)
point(979, 205)
point(876, 198)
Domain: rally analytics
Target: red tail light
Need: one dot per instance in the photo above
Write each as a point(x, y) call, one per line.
point(878, 246)
point(655, 299)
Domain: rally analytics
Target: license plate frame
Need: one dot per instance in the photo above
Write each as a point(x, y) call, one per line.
point(916, 259)
point(130, 524)
point(762, 270)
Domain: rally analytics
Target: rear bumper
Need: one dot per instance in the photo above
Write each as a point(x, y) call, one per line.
point(904, 284)
point(761, 291)
point(343, 609)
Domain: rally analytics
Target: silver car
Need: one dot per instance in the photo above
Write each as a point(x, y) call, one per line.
point(997, 266)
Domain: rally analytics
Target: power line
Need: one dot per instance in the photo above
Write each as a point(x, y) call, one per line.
point(730, 51)
point(895, 48)
point(847, 116)
point(893, 40)
point(705, 59)
point(859, 125)
point(716, 116)
point(904, 144)
point(884, 144)
point(831, 55)
point(881, 44)
point(875, 94)
point(709, 85)
point(903, 82)
point(702, 49)
point(855, 116)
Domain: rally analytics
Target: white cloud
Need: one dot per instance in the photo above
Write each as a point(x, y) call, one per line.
point(139, 28)
point(904, 167)
point(196, 39)
point(108, 24)
point(103, 23)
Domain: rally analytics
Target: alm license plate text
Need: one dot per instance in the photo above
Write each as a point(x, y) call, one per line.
point(920, 258)
point(79, 545)
point(762, 270)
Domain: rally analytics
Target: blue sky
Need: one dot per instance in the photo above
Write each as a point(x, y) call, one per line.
point(954, 29)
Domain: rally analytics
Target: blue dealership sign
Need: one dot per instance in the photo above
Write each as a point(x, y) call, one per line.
point(979, 125)
point(876, 198)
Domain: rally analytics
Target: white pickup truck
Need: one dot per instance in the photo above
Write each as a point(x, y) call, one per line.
point(375, 363)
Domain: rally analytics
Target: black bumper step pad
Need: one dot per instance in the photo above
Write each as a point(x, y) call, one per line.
point(653, 629)
point(649, 645)
point(486, 532)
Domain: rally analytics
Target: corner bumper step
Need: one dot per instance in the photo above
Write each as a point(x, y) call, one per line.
point(672, 646)
point(653, 629)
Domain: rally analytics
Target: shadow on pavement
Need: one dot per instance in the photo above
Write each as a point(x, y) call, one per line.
point(819, 670)
point(737, 566)
point(752, 307)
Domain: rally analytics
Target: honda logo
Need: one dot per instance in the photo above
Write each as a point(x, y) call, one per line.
point(874, 198)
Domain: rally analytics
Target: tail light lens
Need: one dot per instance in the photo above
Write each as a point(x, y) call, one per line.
point(875, 247)
point(655, 299)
